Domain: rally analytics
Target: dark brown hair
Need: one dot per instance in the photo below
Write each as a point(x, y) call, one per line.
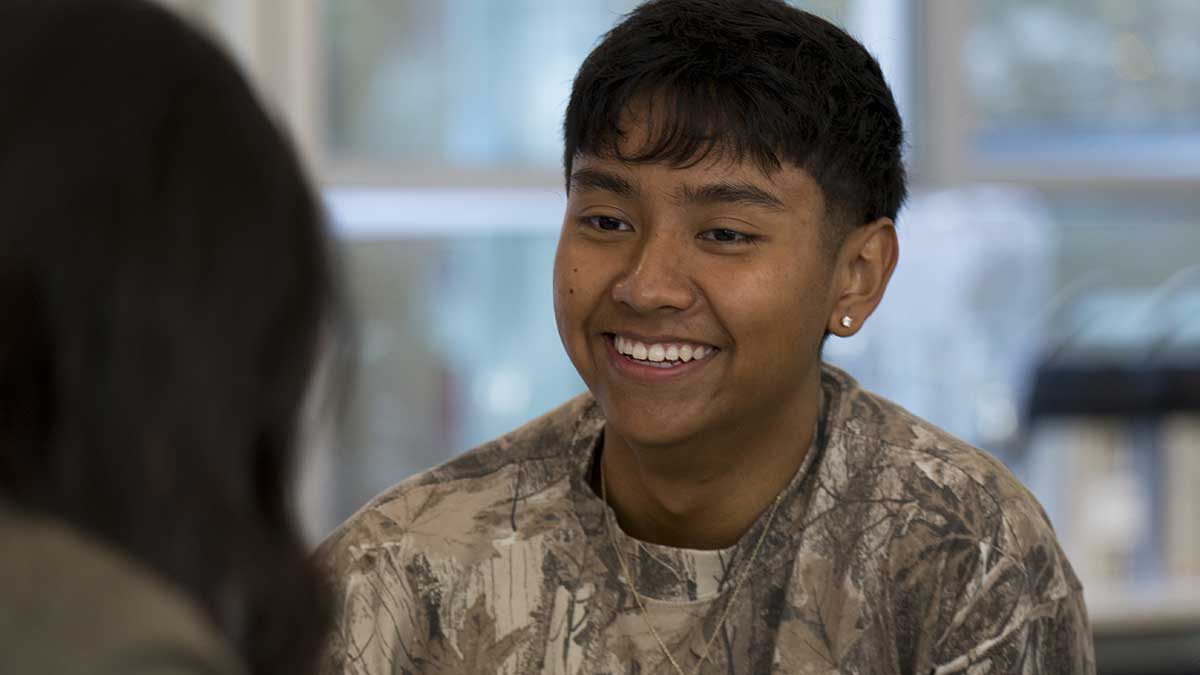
point(165, 286)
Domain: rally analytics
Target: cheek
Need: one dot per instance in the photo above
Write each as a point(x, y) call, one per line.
point(564, 287)
point(772, 314)
point(578, 293)
point(571, 293)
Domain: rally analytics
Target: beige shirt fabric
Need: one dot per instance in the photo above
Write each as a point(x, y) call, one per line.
point(896, 548)
point(72, 605)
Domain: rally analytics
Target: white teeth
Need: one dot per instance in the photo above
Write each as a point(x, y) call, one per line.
point(662, 353)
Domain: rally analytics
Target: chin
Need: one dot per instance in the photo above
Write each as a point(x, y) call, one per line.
point(648, 425)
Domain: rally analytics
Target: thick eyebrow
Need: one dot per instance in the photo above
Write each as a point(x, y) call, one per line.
point(599, 179)
point(736, 192)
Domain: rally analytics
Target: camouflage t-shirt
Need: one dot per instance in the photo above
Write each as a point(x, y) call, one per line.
point(896, 549)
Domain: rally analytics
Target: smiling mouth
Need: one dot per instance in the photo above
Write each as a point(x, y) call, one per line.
point(663, 355)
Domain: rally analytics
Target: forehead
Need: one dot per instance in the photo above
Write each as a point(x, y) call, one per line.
point(647, 146)
point(716, 178)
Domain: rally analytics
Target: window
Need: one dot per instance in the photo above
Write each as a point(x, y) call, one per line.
point(465, 83)
point(1100, 86)
point(458, 84)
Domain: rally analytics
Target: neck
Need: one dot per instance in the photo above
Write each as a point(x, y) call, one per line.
point(707, 492)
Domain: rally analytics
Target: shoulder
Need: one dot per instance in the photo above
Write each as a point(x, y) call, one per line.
point(944, 491)
point(62, 587)
point(458, 508)
point(962, 550)
point(394, 564)
point(943, 542)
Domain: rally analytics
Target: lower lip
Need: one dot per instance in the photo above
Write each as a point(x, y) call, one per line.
point(630, 368)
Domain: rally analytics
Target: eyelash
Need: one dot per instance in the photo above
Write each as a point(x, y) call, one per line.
point(739, 237)
point(594, 223)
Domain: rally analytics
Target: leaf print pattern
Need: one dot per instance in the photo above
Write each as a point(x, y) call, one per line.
point(476, 649)
point(897, 550)
point(825, 624)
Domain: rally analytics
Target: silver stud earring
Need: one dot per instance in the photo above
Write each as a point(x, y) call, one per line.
point(847, 322)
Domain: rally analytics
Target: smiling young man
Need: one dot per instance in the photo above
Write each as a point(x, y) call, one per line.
point(720, 501)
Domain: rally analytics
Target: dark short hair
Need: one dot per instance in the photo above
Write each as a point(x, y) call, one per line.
point(166, 289)
point(748, 79)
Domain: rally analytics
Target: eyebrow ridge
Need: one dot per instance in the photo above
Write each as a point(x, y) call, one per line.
point(735, 192)
point(600, 180)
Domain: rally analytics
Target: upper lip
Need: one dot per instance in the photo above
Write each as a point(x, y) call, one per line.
point(659, 339)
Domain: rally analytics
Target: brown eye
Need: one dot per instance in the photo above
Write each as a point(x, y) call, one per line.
point(609, 224)
point(726, 236)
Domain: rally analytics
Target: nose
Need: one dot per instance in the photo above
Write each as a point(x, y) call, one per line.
point(655, 279)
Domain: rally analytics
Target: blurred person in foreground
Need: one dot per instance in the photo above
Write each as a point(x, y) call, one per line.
point(166, 289)
point(721, 501)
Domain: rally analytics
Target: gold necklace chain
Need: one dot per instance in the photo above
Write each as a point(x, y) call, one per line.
point(608, 525)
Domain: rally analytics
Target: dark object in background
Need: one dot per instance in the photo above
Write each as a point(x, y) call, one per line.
point(1121, 387)
point(1124, 353)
